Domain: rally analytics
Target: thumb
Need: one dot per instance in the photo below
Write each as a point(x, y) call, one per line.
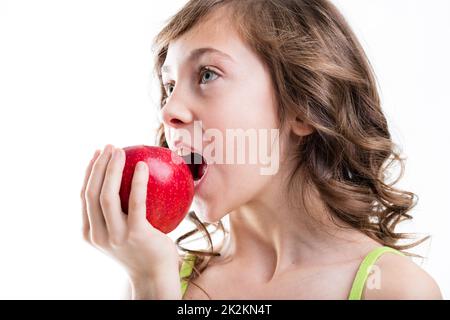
point(138, 195)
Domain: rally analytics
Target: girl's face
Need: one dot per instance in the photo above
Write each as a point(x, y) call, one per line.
point(214, 83)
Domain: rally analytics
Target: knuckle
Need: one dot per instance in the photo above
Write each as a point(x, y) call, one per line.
point(90, 195)
point(134, 236)
point(134, 203)
point(105, 200)
point(87, 236)
point(82, 194)
point(116, 241)
point(97, 241)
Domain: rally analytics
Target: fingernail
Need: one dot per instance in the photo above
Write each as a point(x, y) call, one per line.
point(141, 166)
point(96, 153)
point(117, 153)
point(108, 148)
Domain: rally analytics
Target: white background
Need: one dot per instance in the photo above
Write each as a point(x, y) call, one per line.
point(76, 75)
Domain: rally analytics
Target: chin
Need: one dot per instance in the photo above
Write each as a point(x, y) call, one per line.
point(207, 213)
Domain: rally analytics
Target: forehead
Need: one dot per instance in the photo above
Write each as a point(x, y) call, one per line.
point(214, 31)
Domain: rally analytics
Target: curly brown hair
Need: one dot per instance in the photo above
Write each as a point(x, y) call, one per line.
point(321, 75)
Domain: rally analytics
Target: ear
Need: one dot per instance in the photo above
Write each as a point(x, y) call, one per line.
point(300, 128)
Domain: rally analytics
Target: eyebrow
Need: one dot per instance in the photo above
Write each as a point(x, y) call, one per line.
point(197, 53)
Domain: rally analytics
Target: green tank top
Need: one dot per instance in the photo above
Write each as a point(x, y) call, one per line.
point(186, 270)
point(357, 286)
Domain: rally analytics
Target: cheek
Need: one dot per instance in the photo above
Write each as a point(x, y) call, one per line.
point(240, 106)
point(243, 182)
point(244, 100)
point(247, 107)
point(228, 187)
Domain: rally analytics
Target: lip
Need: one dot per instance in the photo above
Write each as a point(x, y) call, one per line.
point(198, 183)
point(180, 149)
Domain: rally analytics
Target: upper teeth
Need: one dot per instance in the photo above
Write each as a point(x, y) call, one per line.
point(183, 152)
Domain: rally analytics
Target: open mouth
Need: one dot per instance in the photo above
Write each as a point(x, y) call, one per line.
point(197, 164)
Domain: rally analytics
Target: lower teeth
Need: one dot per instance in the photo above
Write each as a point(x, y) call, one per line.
point(196, 163)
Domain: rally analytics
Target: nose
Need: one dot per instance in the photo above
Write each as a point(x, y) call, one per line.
point(176, 113)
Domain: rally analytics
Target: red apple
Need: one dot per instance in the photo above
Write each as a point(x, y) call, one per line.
point(170, 187)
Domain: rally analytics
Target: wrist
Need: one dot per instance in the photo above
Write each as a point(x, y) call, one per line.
point(155, 288)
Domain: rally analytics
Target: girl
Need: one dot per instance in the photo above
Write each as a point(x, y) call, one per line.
point(323, 225)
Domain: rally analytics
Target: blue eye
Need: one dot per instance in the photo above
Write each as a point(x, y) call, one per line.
point(207, 75)
point(169, 87)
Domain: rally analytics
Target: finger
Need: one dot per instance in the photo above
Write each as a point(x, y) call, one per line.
point(109, 196)
point(85, 219)
point(98, 231)
point(138, 196)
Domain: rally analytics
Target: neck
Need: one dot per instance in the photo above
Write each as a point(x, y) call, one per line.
point(270, 235)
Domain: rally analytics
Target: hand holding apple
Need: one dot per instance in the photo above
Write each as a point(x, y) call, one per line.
point(148, 255)
point(170, 187)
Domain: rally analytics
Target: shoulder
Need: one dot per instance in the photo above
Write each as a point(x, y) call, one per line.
point(398, 277)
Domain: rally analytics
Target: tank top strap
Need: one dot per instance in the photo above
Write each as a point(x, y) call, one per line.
point(185, 271)
point(365, 269)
